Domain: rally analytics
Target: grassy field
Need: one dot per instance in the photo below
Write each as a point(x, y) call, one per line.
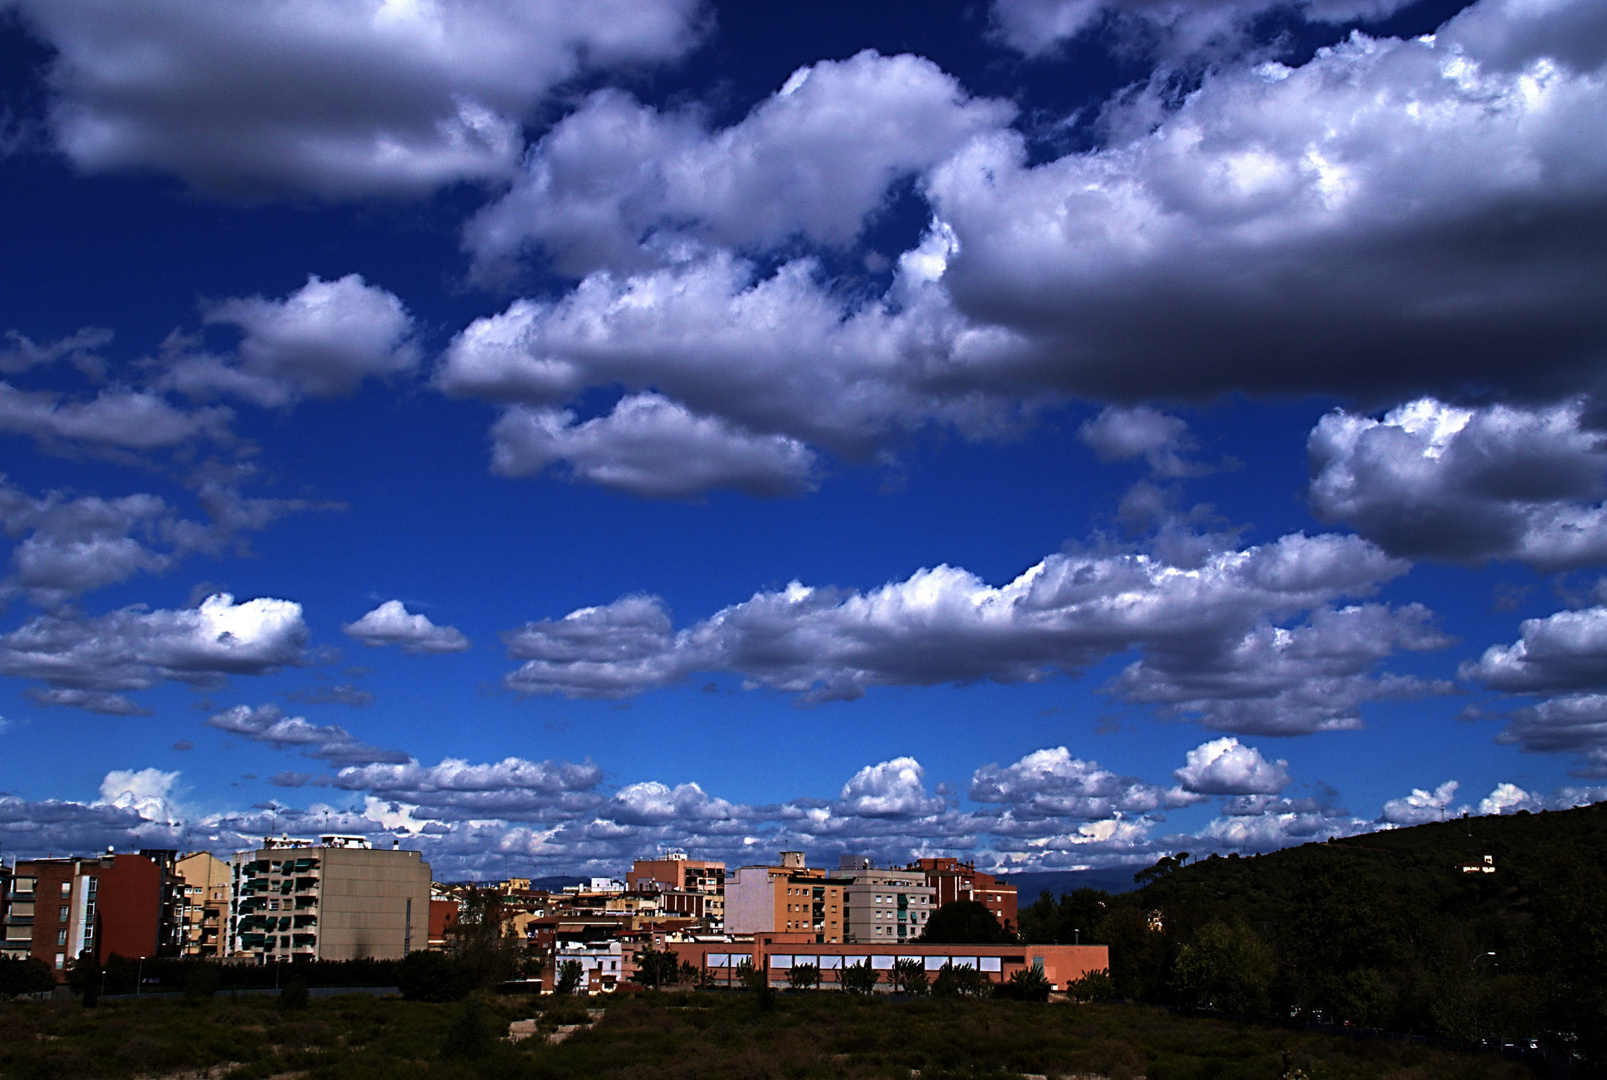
point(687, 1036)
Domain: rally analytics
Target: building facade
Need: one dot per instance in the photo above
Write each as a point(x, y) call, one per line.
point(113, 905)
point(883, 906)
point(789, 898)
point(336, 899)
point(953, 880)
point(205, 887)
point(676, 873)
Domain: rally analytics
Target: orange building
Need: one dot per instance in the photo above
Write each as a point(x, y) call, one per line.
point(790, 898)
point(956, 880)
point(777, 953)
point(676, 873)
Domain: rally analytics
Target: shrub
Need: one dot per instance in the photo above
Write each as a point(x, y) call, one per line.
point(1028, 984)
point(472, 1034)
point(201, 981)
point(33, 976)
point(909, 977)
point(860, 978)
point(1094, 986)
point(803, 976)
point(429, 976)
point(294, 997)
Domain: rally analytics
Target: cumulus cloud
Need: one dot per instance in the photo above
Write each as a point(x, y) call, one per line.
point(117, 418)
point(615, 182)
point(1423, 806)
point(892, 789)
point(320, 341)
point(1038, 27)
point(1431, 480)
point(652, 447)
point(512, 789)
point(269, 724)
point(68, 545)
point(391, 624)
point(81, 349)
point(134, 649)
point(1339, 204)
point(95, 701)
point(1053, 783)
point(1277, 680)
point(147, 792)
point(1227, 767)
point(1122, 432)
point(336, 99)
point(1211, 634)
point(1564, 651)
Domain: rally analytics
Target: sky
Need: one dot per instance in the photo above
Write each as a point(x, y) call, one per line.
point(1051, 432)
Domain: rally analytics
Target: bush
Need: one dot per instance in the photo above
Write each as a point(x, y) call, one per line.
point(472, 1034)
point(1094, 986)
point(1028, 984)
point(962, 981)
point(202, 981)
point(909, 977)
point(294, 997)
point(429, 976)
point(803, 976)
point(860, 978)
point(31, 976)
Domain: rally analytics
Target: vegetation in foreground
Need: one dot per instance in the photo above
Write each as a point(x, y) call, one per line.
point(688, 1035)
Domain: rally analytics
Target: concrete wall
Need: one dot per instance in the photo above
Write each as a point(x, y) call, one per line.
point(750, 902)
point(363, 903)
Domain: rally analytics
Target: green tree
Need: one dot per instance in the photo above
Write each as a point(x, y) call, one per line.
point(657, 967)
point(201, 981)
point(480, 943)
point(964, 922)
point(33, 976)
point(1163, 866)
point(84, 978)
point(751, 977)
point(860, 978)
point(427, 975)
point(1228, 967)
point(569, 975)
point(803, 976)
point(294, 996)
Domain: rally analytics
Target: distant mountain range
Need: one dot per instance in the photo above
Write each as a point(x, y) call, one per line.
point(1115, 879)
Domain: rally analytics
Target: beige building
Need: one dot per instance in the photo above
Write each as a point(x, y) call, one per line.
point(202, 910)
point(883, 907)
point(336, 899)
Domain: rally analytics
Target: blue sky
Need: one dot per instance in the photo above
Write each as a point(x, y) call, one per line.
point(1058, 432)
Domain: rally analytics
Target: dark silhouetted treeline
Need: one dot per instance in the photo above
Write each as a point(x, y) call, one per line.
point(1385, 930)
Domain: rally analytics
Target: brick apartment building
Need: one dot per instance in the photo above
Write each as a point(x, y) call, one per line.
point(956, 880)
point(111, 905)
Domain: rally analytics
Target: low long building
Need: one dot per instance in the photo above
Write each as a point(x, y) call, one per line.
point(777, 953)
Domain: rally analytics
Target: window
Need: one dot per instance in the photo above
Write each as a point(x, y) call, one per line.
point(63, 915)
point(66, 888)
point(61, 937)
point(61, 961)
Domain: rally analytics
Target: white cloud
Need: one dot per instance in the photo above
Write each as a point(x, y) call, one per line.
point(651, 446)
point(513, 788)
point(944, 626)
point(1469, 484)
point(1038, 27)
point(336, 98)
point(1122, 432)
point(147, 792)
point(1226, 767)
point(320, 341)
point(269, 724)
point(1508, 798)
point(1338, 204)
point(892, 789)
point(392, 624)
point(1422, 806)
point(1053, 783)
point(1564, 651)
point(133, 649)
point(116, 418)
point(615, 182)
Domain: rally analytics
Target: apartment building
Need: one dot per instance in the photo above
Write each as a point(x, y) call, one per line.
point(791, 898)
point(111, 905)
point(204, 889)
point(333, 899)
point(883, 906)
point(676, 873)
point(956, 880)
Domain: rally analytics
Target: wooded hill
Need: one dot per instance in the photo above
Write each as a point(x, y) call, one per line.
point(1384, 930)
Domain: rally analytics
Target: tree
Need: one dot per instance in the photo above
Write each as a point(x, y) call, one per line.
point(1228, 967)
point(201, 981)
point(427, 975)
point(569, 975)
point(751, 978)
point(657, 967)
point(964, 922)
point(1163, 866)
point(961, 981)
point(909, 977)
point(486, 952)
point(33, 976)
point(803, 976)
point(860, 978)
point(294, 997)
point(84, 978)
point(1093, 986)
